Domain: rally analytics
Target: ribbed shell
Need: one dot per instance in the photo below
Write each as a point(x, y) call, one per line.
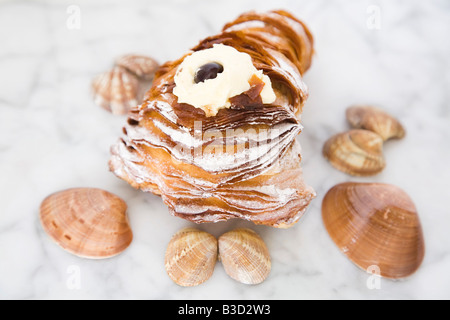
point(90, 223)
point(375, 120)
point(116, 90)
point(142, 66)
point(356, 152)
point(191, 257)
point(244, 256)
point(375, 225)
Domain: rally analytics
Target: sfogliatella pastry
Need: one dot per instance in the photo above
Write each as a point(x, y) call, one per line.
point(216, 134)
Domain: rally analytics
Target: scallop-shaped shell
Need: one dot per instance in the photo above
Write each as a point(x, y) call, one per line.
point(90, 223)
point(191, 257)
point(116, 90)
point(375, 225)
point(376, 120)
point(244, 256)
point(356, 152)
point(142, 66)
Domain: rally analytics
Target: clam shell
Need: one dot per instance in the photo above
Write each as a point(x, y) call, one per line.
point(90, 223)
point(191, 257)
point(142, 66)
point(116, 91)
point(375, 224)
point(244, 256)
point(376, 120)
point(356, 152)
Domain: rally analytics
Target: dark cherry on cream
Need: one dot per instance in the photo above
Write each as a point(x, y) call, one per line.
point(208, 71)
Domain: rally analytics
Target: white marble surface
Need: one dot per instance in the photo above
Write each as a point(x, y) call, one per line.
point(53, 137)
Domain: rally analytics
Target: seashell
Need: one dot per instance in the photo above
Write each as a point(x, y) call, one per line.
point(244, 256)
point(375, 224)
point(356, 152)
point(116, 91)
point(142, 66)
point(376, 120)
point(90, 223)
point(191, 257)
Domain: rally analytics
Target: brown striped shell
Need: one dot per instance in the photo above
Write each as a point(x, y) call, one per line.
point(356, 152)
point(142, 66)
point(244, 256)
point(375, 120)
point(191, 257)
point(87, 222)
point(375, 224)
point(116, 91)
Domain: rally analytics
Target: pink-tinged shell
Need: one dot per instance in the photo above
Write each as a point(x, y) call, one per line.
point(142, 66)
point(90, 223)
point(356, 152)
point(375, 120)
point(116, 91)
point(244, 256)
point(375, 224)
point(191, 256)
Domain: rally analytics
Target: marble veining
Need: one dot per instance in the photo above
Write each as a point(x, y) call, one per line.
point(392, 54)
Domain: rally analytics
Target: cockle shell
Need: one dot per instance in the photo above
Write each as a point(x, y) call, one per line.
point(376, 120)
point(116, 91)
point(377, 225)
point(191, 257)
point(244, 256)
point(356, 152)
point(87, 222)
point(142, 66)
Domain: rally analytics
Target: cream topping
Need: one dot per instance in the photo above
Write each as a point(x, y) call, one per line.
point(214, 94)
